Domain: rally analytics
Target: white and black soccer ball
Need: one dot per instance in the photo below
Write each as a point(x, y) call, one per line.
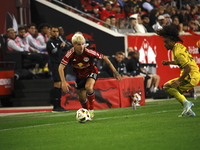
point(136, 97)
point(82, 115)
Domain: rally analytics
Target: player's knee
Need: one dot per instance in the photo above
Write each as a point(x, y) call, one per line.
point(89, 88)
point(166, 86)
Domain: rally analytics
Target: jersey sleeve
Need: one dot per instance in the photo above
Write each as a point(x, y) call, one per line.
point(94, 54)
point(68, 56)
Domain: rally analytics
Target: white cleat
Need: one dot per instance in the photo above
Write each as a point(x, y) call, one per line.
point(187, 106)
point(91, 114)
point(190, 113)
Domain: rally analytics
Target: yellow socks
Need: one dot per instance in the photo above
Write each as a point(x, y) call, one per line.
point(174, 92)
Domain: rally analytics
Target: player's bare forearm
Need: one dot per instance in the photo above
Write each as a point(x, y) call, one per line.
point(65, 85)
point(115, 72)
point(61, 72)
point(107, 61)
point(166, 62)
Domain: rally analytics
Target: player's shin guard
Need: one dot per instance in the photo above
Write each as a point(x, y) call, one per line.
point(91, 98)
point(84, 104)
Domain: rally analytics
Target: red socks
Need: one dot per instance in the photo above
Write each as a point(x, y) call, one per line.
point(85, 104)
point(91, 98)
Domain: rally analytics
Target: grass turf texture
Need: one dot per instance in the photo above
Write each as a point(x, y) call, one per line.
point(154, 126)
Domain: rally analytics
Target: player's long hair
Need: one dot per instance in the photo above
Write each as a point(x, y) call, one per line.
point(170, 32)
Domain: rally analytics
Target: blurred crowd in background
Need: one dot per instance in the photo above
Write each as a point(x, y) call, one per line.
point(142, 16)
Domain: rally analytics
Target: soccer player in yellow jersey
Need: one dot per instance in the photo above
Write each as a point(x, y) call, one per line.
point(189, 76)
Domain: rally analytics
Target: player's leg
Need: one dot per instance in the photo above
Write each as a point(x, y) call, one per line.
point(177, 93)
point(184, 87)
point(89, 86)
point(82, 97)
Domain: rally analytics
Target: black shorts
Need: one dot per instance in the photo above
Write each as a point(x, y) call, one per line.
point(80, 83)
point(55, 73)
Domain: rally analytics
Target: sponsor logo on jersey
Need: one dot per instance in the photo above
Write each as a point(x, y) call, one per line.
point(86, 59)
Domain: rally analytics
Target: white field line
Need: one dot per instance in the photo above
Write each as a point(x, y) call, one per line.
point(51, 124)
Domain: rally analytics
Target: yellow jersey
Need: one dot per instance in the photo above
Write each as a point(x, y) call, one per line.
point(182, 58)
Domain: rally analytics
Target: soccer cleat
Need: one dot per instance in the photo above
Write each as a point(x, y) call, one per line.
point(187, 106)
point(91, 114)
point(190, 113)
point(59, 109)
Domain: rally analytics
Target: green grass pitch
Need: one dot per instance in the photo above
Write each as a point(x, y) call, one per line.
point(154, 126)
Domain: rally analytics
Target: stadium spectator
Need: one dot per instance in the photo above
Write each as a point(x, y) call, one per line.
point(131, 5)
point(119, 65)
point(31, 40)
point(175, 22)
point(107, 11)
point(18, 43)
point(173, 11)
point(119, 12)
point(107, 23)
point(85, 71)
point(145, 22)
point(160, 23)
point(168, 19)
point(113, 23)
point(161, 10)
point(121, 23)
point(153, 16)
point(183, 15)
point(192, 25)
point(88, 5)
point(149, 5)
point(189, 76)
point(44, 30)
point(134, 68)
point(185, 27)
point(193, 12)
point(135, 24)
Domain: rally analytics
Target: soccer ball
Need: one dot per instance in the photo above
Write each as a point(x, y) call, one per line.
point(136, 97)
point(82, 115)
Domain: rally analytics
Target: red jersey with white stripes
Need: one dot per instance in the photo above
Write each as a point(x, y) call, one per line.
point(83, 64)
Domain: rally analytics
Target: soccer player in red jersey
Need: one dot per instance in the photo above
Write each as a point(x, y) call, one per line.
point(86, 72)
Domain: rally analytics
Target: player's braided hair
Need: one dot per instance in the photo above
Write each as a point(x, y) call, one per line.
point(170, 32)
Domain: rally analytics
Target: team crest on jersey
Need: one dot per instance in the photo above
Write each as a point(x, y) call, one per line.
point(86, 59)
point(80, 66)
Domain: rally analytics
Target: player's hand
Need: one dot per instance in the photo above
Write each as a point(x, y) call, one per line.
point(175, 83)
point(65, 87)
point(62, 45)
point(117, 76)
point(165, 62)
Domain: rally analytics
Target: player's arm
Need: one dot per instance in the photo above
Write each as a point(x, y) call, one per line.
point(14, 46)
point(65, 85)
point(166, 62)
point(115, 72)
point(186, 71)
